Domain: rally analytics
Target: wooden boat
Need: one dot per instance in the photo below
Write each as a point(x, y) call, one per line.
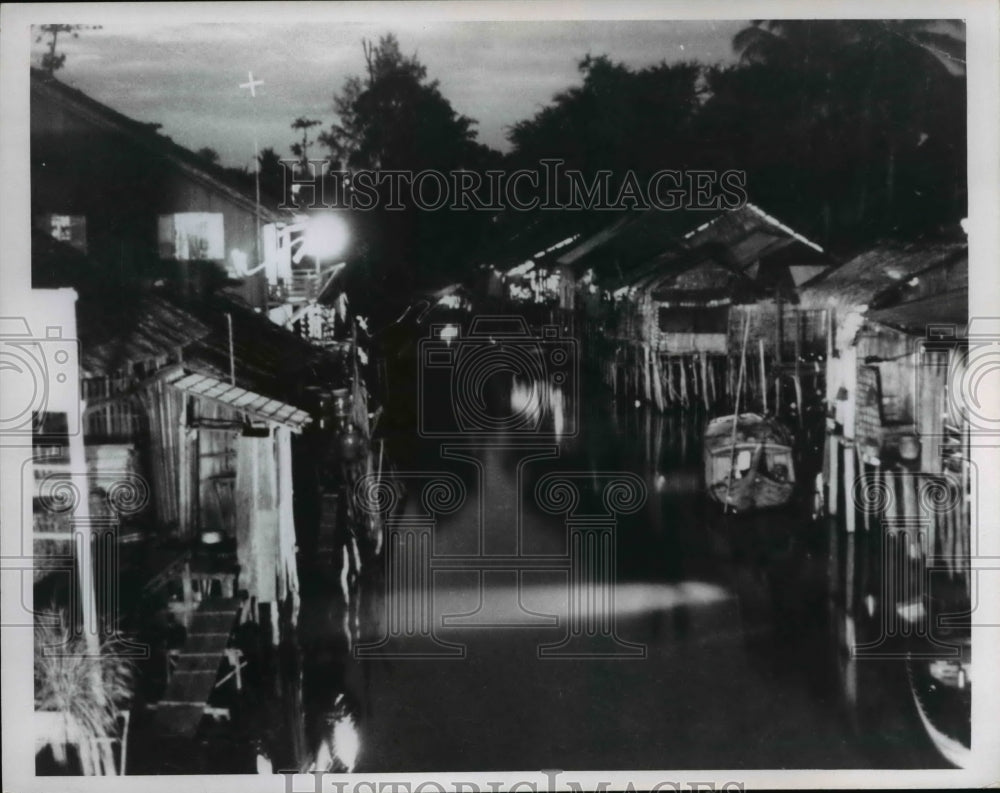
point(749, 466)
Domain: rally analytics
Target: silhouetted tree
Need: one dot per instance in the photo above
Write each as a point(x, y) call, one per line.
point(209, 154)
point(53, 61)
point(301, 148)
point(867, 115)
point(394, 118)
point(271, 174)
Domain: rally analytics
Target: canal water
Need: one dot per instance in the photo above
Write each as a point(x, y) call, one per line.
point(715, 652)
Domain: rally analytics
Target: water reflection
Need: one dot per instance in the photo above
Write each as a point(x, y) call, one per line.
point(732, 608)
point(540, 402)
point(309, 720)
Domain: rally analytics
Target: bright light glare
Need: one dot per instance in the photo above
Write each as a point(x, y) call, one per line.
point(325, 237)
point(449, 332)
point(347, 741)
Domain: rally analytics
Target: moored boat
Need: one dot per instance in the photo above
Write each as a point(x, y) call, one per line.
point(748, 462)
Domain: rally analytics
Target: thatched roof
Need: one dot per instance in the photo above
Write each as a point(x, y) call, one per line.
point(740, 225)
point(736, 254)
point(866, 280)
point(631, 244)
point(915, 316)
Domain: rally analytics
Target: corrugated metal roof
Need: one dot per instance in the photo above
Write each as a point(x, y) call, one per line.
point(259, 406)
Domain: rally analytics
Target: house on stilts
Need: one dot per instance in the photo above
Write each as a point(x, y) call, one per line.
point(898, 482)
point(714, 293)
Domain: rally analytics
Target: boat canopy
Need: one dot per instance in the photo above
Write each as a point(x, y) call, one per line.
point(751, 428)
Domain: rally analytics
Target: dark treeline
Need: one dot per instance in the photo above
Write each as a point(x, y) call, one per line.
point(849, 131)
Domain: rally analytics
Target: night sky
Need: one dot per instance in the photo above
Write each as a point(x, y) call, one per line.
point(186, 76)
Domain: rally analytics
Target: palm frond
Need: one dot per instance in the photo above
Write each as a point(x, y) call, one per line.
point(90, 689)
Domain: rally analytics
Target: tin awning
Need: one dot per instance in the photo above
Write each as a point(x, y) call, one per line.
point(258, 406)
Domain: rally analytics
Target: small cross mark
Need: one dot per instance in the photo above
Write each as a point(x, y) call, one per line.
point(252, 84)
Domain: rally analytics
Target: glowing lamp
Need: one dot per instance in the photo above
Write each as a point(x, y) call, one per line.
point(325, 236)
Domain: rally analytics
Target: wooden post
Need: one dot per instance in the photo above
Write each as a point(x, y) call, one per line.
point(647, 366)
point(658, 383)
point(909, 510)
point(286, 520)
point(763, 373)
point(930, 409)
point(184, 474)
point(779, 333)
point(636, 371)
point(797, 341)
point(187, 585)
point(729, 379)
point(710, 374)
point(742, 381)
point(850, 566)
point(798, 398)
point(833, 485)
point(684, 385)
point(704, 380)
point(963, 517)
point(850, 508)
point(878, 481)
point(85, 551)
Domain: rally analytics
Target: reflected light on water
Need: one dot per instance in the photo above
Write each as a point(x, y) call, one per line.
point(558, 410)
point(630, 599)
point(348, 742)
point(539, 399)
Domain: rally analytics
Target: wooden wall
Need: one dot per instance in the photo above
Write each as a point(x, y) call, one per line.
point(82, 165)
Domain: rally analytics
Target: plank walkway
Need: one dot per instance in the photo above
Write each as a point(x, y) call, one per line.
point(183, 703)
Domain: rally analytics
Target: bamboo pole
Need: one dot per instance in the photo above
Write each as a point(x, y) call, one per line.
point(736, 413)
